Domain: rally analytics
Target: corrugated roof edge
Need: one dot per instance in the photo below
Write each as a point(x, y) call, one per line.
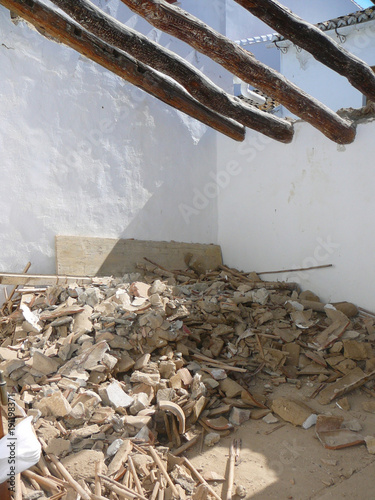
point(357, 17)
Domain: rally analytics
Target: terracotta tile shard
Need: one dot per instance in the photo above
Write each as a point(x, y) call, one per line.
point(333, 436)
point(354, 379)
point(369, 406)
point(328, 336)
point(370, 444)
point(292, 411)
point(357, 350)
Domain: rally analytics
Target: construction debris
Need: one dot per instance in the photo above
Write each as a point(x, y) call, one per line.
point(334, 435)
point(121, 376)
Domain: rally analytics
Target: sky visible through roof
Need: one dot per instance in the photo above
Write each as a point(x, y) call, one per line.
point(365, 3)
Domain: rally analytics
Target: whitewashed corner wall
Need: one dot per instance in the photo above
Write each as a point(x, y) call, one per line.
point(329, 87)
point(85, 153)
point(304, 204)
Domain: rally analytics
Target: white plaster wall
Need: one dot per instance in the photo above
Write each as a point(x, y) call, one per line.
point(299, 205)
point(324, 84)
point(85, 153)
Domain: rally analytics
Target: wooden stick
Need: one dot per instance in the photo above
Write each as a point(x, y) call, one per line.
point(163, 470)
point(28, 291)
point(161, 493)
point(366, 311)
point(98, 484)
point(277, 427)
point(219, 364)
point(55, 473)
point(268, 285)
point(230, 479)
point(64, 472)
point(9, 298)
point(46, 482)
point(23, 488)
point(135, 476)
point(243, 64)
point(260, 346)
point(176, 432)
point(43, 466)
point(313, 40)
point(125, 481)
point(165, 269)
point(58, 496)
point(294, 270)
point(168, 428)
point(155, 491)
point(41, 279)
point(4, 491)
point(200, 478)
point(18, 488)
point(139, 449)
point(121, 489)
point(33, 483)
point(187, 445)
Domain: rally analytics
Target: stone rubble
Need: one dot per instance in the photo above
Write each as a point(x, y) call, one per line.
point(95, 365)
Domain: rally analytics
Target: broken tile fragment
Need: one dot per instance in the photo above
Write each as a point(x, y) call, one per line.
point(55, 405)
point(328, 461)
point(333, 435)
point(369, 406)
point(270, 419)
point(231, 387)
point(343, 403)
point(291, 410)
point(357, 350)
point(370, 444)
point(353, 425)
point(239, 415)
point(59, 447)
point(352, 380)
point(211, 439)
point(151, 379)
point(81, 465)
point(114, 447)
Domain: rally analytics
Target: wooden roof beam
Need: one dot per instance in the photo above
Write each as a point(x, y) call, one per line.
point(316, 42)
point(46, 20)
point(243, 64)
point(195, 82)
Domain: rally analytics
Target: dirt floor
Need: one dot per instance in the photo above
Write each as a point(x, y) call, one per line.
point(291, 463)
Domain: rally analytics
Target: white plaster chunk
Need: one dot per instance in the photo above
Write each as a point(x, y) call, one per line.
point(55, 405)
point(114, 395)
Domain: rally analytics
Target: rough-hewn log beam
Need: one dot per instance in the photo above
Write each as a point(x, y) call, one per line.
point(50, 22)
point(316, 42)
point(205, 91)
point(230, 55)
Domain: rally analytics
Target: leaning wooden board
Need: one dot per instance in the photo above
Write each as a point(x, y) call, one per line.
point(86, 256)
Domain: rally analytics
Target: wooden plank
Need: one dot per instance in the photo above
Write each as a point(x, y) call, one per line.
point(114, 257)
point(41, 279)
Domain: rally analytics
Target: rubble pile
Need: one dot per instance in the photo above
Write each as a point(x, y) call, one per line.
point(123, 375)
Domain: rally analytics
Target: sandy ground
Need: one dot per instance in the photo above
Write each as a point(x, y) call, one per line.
point(291, 463)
